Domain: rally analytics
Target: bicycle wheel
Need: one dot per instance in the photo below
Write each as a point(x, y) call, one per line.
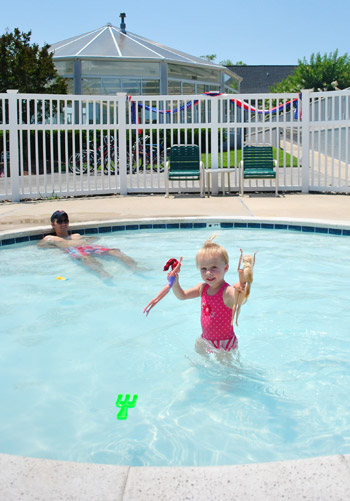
point(109, 164)
point(116, 164)
point(161, 161)
point(137, 163)
point(79, 164)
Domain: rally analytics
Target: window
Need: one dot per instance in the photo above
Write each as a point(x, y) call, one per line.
point(174, 87)
point(64, 67)
point(188, 88)
point(110, 86)
point(91, 86)
point(193, 73)
point(150, 87)
point(120, 68)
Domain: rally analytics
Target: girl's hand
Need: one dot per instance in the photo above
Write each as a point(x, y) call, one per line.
point(176, 270)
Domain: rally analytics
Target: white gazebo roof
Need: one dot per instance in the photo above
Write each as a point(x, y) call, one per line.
point(111, 42)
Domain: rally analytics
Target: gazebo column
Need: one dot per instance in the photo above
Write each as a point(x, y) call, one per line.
point(77, 77)
point(163, 78)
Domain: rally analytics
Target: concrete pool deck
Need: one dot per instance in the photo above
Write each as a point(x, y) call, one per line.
point(320, 478)
point(23, 215)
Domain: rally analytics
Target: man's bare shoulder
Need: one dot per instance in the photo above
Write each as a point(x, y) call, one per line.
point(76, 236)
point(49, 240)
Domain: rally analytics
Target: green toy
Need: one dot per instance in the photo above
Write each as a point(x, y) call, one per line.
point(125, 405)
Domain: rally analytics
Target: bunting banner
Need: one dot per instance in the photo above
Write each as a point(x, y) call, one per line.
point(241, 104)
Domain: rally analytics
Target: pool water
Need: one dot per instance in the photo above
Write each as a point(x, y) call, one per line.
point(69, 347)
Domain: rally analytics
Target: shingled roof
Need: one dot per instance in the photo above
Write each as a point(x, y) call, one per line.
point(258, 79)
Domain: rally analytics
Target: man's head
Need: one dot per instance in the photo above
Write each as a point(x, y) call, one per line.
point(60, 222)
point(60, 216)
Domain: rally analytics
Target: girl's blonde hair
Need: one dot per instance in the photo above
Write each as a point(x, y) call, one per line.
point(211, 249)
point(248, 274)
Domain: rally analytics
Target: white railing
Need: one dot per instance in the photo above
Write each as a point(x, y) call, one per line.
point(58, 145)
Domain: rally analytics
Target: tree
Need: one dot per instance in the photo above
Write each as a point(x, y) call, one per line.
point(322, 73)
point(226, 62)
point(26, 67)
point(209, 57)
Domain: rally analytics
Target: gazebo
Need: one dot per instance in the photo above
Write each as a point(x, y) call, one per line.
point(110, 60)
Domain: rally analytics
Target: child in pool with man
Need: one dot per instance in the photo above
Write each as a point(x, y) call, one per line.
point(220, 302)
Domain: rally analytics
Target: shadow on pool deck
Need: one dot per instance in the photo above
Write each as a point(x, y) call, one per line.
point(320, 478)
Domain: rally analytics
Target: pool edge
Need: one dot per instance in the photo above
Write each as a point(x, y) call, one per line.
point(321, 478)
point(251, 222)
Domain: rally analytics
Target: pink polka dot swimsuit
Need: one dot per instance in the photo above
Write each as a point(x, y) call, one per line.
point(216, 320)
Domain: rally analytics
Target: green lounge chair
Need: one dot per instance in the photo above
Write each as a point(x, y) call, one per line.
point(258, 163)
point(184, 164)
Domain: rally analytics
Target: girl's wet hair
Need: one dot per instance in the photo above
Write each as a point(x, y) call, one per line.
point(211, 249)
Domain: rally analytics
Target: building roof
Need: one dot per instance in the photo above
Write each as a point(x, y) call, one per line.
point(260, 78)
point(111, 42)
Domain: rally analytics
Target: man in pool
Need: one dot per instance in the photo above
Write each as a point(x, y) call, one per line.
point(79, 247)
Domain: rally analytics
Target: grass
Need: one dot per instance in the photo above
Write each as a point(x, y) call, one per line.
point(235, 163)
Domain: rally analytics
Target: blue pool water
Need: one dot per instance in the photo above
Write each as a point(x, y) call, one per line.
point(68, 348)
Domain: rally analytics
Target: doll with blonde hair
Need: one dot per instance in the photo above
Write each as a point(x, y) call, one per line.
point(242, 288)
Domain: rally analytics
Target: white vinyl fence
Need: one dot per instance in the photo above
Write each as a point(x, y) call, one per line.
point(69, 145)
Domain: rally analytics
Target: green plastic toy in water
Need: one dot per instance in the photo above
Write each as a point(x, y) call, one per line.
point(125, 405)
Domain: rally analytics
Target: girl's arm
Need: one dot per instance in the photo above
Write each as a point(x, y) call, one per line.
point(188, 293)
point(229, 296)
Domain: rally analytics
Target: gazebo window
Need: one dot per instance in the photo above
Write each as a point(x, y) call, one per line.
point(150, 87)
point(91, 86)
point(64, 67)
point(193, 73)
point(120, 68)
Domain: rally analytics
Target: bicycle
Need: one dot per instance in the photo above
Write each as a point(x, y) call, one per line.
point(145, 155)
point(90, 159)
point(106, 158)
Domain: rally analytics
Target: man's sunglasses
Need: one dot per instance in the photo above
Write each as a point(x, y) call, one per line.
point(62, 221)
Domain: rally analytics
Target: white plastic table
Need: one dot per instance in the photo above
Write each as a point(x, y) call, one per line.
point(222, 171)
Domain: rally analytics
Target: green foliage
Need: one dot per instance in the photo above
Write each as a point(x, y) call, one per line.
point(321, 73)
point(209, 57)
point(27, 67)
point(226, 62)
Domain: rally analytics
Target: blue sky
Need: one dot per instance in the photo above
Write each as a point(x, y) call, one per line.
point(257, 32)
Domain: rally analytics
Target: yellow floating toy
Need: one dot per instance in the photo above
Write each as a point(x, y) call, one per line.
point(62, 278)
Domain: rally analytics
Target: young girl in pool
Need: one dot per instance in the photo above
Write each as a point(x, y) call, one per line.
point(217, 300)
point(242, 288)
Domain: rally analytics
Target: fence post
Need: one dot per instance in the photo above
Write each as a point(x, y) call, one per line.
point(305, 140)
point(13, 126)
point(122, 141)
point(214, 141)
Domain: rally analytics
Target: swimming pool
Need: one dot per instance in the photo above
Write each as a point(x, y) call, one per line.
point(70, 347)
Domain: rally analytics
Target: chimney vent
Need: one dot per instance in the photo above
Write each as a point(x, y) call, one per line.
point(122, 24)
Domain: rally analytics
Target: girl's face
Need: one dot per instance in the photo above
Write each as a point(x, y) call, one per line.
point(213, 270)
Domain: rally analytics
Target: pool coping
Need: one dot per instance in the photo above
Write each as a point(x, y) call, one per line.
point(341, 228)
point(320, 478)
point(24, 478)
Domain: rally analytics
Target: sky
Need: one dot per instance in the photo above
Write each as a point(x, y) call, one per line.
point(256, 32)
